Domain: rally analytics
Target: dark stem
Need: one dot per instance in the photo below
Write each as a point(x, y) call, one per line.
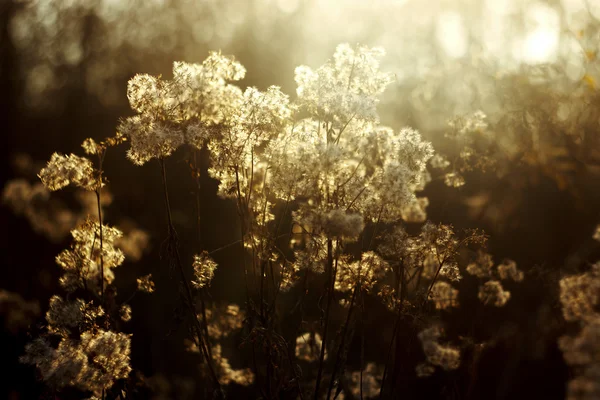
point(389, 352)
point(202, 294)
point(362, 345)
point(330, 285)
point(98, 189)
point(262, 293)
point(174, 251)
point(340, 351)
point(242, 215)
point(433, 282)
point(101, 246)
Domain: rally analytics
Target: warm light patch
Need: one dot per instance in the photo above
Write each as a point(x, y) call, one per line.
point(541, 42)
point(451, 34)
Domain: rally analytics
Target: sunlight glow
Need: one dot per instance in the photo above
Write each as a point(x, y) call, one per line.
point(541, 42)
point(451, 34)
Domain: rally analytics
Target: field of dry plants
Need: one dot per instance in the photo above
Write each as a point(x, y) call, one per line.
point(317, 199)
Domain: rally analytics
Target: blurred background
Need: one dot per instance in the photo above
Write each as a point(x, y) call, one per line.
point(531, 66)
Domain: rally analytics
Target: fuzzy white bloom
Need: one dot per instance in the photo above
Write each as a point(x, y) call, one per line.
point(202, 90)
point(347, 86)
point(108, 357)
point(150, 138)
point(239, 161)
point(63, 170)
point(198, 96)
point(65, 317)
point(82, 263)
point(91, 363)
point(363, 168)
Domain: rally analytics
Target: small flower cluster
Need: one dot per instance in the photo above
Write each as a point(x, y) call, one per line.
point(364, 273)
point(85, 261)
point(63, 170)
point(183, 110)
point(145, 284)
point(204, 270)
point(77, 347)
point(87, 357)
point(347, 86)
point(432, 255)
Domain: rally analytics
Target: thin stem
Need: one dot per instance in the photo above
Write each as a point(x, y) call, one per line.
point(262, 293)
point(174, 251)
point(98, 189)
point(330, 284)
point(242, 215)
point(196, 175)
point(442, 262)
point(362, 345)
point(101, 245)
point(343, 342)
point(389, 353)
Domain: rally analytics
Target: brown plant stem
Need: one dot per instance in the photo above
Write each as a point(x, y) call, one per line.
point(338, 359)
point(101, 245)
point(389, 352)
point(330, 285)
point(196, 175)
point(98, 189)
point(174, 250)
